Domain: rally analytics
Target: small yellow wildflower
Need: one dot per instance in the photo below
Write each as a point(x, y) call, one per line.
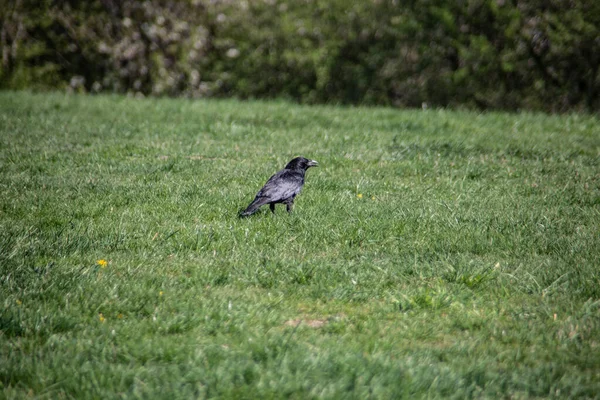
point(120, 316)
point(372, 197)
point(102, 263)
point(19, 302)
point(101, 317)
point(359, 195)
point(160, 293)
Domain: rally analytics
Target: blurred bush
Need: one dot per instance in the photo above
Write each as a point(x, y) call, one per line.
point(488, 54)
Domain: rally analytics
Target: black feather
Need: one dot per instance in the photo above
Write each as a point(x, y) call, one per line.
point(282, 187)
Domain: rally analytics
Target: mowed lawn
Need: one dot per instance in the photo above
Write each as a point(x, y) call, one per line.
point(433, 254)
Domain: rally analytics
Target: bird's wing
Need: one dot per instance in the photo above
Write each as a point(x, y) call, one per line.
point(282, 186)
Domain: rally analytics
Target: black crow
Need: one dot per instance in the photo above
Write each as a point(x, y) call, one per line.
point(282, 187)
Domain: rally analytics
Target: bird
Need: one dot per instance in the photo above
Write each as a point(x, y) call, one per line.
point(282, 187)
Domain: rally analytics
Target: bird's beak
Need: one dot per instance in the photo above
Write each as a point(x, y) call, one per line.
point(313, 163)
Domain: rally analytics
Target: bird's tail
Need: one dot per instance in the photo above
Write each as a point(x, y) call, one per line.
point(252, 208)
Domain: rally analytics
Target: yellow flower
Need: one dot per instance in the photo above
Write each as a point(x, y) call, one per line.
point(102, 263)
point(359, 195)
point(120, 316)
point(372, 197)
point(101, 317)
point(19, 302)
point(160, 293)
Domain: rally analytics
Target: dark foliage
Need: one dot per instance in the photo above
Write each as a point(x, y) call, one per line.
point(488, 54)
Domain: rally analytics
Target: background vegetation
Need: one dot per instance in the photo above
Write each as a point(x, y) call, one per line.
point(433, 254)
point(499, 54)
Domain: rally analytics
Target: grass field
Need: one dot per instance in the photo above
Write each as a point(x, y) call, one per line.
point(432, 254)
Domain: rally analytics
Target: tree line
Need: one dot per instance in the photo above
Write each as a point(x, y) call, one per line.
point(483, 54)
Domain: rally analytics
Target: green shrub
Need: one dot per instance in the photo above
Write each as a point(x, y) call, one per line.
point(488, 54)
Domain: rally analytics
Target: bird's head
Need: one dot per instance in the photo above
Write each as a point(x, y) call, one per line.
point(301, 163)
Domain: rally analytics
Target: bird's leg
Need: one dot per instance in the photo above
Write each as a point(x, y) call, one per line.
point(289, 205)
point(272, 207)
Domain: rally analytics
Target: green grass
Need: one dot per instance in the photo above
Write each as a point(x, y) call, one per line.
point(433, 254)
